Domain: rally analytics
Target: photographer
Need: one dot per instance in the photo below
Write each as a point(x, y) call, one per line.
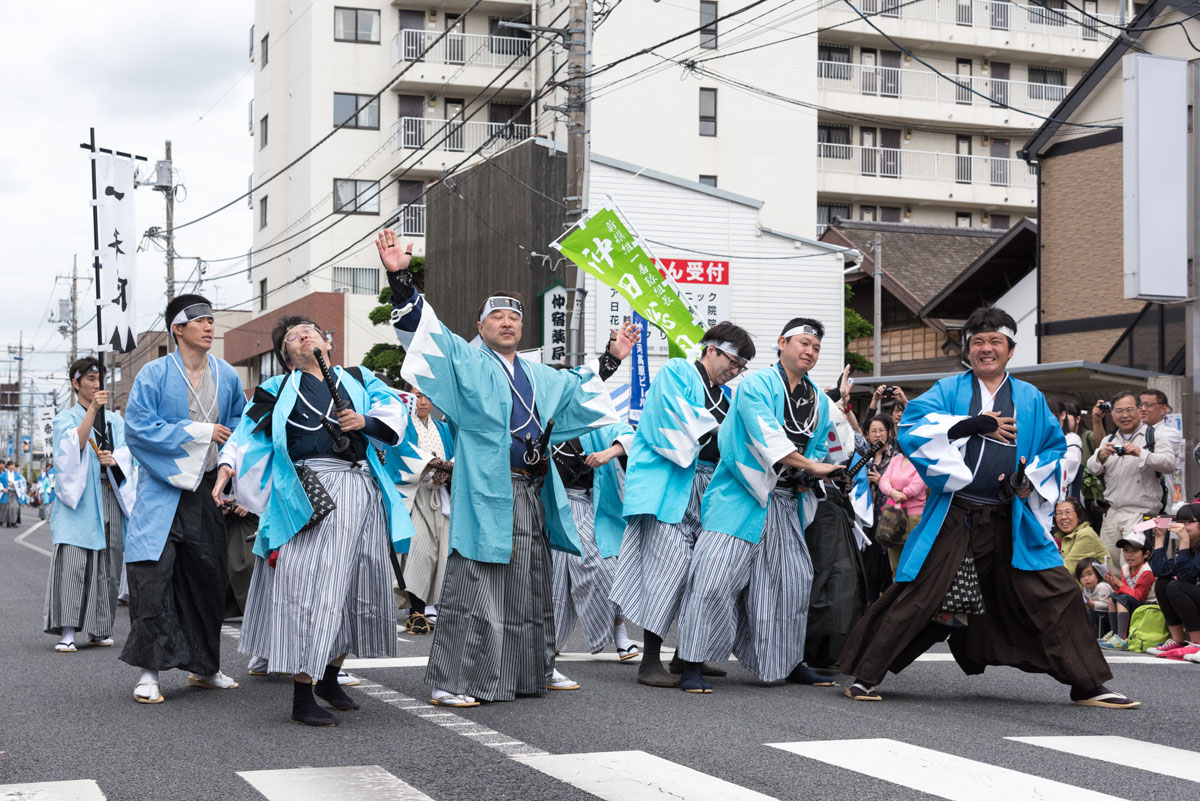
point(889, 394)
point(1131, 468)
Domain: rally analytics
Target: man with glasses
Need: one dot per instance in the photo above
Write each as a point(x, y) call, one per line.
point(671, 461)
point(751, 574)
point(1132, 468)
point(981, 568)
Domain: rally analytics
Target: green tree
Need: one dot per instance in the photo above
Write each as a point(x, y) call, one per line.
point(384, 356)
point(856, 326)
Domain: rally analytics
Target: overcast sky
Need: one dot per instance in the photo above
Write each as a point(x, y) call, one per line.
point(141, 72)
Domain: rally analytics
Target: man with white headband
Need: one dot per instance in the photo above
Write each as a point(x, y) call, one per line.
point(96, 484)
point(182, 408)
point(671, 461)
point(494, 638)
point(751, 574)
point(322, 585)
point(981, 568)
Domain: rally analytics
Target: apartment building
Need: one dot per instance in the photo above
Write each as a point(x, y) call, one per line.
point(319, 64)
point(896, 142)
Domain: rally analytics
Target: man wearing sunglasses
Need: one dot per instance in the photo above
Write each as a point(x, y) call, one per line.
point(671, 461)
point(322, 583)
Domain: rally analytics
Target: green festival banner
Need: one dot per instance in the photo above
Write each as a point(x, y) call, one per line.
point(603, 245)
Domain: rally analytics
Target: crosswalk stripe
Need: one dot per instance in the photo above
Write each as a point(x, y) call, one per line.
point(386, 662)
point(1136, 753)
point(937, 773)
point(79, 790)
point(621, 775)
point(360, 783)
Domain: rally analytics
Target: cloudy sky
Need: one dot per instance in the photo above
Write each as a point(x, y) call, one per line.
point(141, 72)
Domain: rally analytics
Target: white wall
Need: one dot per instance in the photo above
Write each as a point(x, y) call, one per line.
point(765, 294)
point(1021, 303)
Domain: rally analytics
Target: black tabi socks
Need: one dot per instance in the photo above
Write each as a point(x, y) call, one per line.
point(305, 708)
point(329, 691)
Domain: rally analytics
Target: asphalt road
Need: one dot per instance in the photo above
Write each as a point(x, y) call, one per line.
point(69, 729)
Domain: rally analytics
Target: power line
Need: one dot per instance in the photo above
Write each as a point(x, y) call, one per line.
point(449, 29)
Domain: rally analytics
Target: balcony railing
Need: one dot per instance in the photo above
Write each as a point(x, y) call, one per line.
point(410, 220)
point(909, 84)
point(994, 14)
point(458, 48)
point(455, 136)
point(922, 165)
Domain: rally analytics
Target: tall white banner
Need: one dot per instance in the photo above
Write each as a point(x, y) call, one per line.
point(118, 250)
point(43, 432)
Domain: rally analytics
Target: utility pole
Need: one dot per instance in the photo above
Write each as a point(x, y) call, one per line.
point(169, 192)
point(18, 354)
point(877, 350)
point(1191, 400)
point(579, 57)
point(74, 309)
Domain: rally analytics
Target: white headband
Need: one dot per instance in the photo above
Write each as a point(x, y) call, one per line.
point(81, 373)
point(726, 347)
point(801, 329)
point(499, 303)
point(193, 312)
point(1002, 329)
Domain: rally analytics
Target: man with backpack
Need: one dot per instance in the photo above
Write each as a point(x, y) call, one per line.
point(1132, 462)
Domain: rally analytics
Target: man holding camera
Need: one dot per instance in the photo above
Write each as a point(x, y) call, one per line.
point(1132, 462)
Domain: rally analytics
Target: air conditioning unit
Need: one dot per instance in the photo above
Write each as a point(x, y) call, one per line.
point(343, 289)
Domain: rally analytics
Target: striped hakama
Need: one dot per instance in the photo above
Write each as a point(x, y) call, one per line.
point(12, 509)
point(425, 563)
point(751, 599)
point(82, 589)
point(495, 634)
point(652, 568)
point(582, 586)
point(330, 592)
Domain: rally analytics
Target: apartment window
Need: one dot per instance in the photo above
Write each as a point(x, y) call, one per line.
point(262, 295)
point(1000, 222)
point(708, 112)
point(162, 351)
point(361, 111)
point(251, 54)
point(356, 280)
point(833, 141)
point(963, 94)
point(1047, 12)
point(262, 213)
point(709, 180)
point(826, 212)
point(355, 197)
point(507, 41)
point(356, 25)
point(263, 132)
point(890, 214)
point(833, 61)
point(962, 219)
point(867, 213)
point(1047, 83)
point(262, 51)
point(708, 21)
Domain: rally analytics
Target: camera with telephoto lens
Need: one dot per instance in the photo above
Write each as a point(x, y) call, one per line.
point(1104, 406)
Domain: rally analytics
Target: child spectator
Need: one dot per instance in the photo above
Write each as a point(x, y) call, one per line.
point(1135, 586)
point(1178, 584)
point(1096, 593)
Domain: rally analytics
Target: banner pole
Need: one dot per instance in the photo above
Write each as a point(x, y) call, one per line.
point(99, 423)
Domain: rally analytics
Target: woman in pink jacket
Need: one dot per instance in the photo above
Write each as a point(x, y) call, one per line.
point(904, 488)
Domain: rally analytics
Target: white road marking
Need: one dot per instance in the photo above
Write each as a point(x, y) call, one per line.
point(82, 790)
point(386, 662)
point(20, 539)
point(621, 775)
point(1123, 658)
point(1184, 764)
point(938, 773)
point(361, 783)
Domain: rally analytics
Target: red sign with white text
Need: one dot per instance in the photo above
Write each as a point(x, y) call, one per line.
point(695, 271)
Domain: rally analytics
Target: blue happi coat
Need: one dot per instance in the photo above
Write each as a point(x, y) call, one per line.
point(752, 441)
point(45, 485)
point(15, 484)
point(608, 520)
point(406, 462)
point(662, 460)
point(266, 482)
point(923, 436)
point(169, 446)
point(79, 519)
point(472, 390)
